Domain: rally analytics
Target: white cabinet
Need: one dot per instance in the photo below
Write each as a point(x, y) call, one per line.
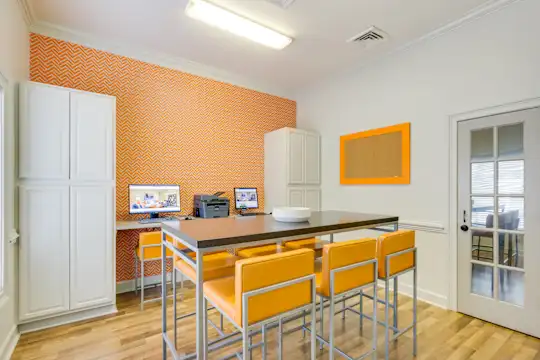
point(67, 195)
point(312, 162)
point(296, 197)
point(44, 132)
point(91, 246)
point(312, 198)
point(292, 169)
point(43, 250)
point(296, 157)
point(92, 134)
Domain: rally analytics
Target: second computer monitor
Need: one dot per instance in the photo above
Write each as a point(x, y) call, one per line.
point(246, 198)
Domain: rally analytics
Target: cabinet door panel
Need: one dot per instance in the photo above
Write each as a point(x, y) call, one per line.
point(295, 197)
point(313, 199)
point(296, 158)
point(312, 159)
point(91, 246)
point(43, 251)
point(92, 138)
point(44, 132)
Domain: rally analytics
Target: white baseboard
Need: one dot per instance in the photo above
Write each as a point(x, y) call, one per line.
point(67, 318)
point(8, 346)
point(129, 285)
point(425, 295)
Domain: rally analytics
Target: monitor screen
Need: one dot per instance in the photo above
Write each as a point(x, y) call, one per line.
point(145, 199)
point(246, 198)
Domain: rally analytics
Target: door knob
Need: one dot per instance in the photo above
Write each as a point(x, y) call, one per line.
point(464, 228)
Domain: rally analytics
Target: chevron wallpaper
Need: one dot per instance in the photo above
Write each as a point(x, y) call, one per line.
point(171, 127)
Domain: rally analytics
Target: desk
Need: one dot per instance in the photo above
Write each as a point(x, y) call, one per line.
point(225, 233)
point(134, 224)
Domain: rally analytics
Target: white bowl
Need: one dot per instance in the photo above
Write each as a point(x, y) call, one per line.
point(291, 214)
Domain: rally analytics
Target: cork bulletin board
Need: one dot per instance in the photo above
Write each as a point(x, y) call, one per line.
point(378, 156)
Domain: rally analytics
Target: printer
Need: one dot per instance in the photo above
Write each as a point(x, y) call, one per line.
point(210, 206)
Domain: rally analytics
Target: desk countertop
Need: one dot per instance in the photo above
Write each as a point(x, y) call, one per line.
point(229, 231)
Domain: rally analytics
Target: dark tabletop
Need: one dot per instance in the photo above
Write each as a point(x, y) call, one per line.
point(231, 231)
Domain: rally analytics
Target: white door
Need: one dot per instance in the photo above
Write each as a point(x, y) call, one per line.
point(312, 155)
point(44, 132)
point(295, 197)
point(295, 151)
point(91, 240)
point(313, 199)
point(499, 219)
point(92, 136)
point(43, 251)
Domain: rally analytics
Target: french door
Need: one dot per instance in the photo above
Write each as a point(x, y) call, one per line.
point(499, 219)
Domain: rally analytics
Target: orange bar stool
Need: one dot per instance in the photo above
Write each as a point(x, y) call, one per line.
point(265, 290)
point(261, 250)
point(216, 265)
point(396, 253)
point(348, 267)
point(148, 249)
point(310, 243)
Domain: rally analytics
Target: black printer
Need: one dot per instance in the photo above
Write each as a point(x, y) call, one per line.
point(210, 206)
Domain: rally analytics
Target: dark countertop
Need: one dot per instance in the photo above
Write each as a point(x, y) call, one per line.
point(233, 231)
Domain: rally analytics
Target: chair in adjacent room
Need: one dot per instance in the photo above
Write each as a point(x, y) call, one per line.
point(265, 290)
point(347, 268)
point(148, 249)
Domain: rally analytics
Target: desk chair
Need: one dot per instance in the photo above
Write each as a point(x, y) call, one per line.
point(148, 249)
point(265, 290)
point(347, 268)
point(396, 254)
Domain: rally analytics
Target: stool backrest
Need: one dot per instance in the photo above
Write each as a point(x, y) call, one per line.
point(263, 271)
point(345, 253)
point(151, 238)
point(395, 242)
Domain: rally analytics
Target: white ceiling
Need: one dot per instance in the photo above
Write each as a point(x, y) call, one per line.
point(320, 29)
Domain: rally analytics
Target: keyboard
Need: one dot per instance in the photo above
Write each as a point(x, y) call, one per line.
point(253, 214)
point(157, 220)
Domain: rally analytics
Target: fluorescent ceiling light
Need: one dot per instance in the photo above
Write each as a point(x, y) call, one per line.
point(235, 24)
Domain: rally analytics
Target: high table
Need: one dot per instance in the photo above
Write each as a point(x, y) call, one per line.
point(229, 233)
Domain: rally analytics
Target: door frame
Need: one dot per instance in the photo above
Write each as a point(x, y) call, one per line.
point(453, 172)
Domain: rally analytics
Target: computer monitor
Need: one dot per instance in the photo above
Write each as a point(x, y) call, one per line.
point(154, 199)
point(246, 198)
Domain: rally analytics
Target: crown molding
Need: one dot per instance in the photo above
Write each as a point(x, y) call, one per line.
point(157, 58)
point(27, 12)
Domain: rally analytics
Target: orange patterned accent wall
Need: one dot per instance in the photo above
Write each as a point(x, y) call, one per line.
point(171, 127)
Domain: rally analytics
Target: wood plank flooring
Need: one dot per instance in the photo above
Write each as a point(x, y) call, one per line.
point(132, 334)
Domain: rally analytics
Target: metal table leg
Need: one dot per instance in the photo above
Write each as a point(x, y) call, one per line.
point(199, 309)
point(163, 293)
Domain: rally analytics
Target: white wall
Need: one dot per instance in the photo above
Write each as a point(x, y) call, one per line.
point(14, 68)
point(489, 61)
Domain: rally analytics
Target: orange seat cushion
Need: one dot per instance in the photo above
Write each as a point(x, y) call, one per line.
point(345, 253)
point(394, 242)
point(216, 265)
point(261, 250)
point(259, 272)
point(151, 253)
point(311, 243)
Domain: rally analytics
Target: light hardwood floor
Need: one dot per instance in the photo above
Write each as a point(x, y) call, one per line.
point(132, 334)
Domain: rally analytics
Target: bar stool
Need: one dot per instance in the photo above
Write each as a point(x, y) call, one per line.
point(310, 243)
point(264, 290)
point(148, 249)
point(261, 250)
point(347, 268)
point(216, 265)
point(396, 253)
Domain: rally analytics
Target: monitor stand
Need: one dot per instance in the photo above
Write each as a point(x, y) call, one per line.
point(154, 215)
point(154, 218)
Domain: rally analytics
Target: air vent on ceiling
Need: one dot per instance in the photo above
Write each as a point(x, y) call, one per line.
point(282, 3)
point(370, 37)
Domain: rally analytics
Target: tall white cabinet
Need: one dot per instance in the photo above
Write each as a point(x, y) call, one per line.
point(292, 169)
point(66, 203)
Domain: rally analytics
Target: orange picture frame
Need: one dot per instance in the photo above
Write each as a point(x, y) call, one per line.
point(378, 156)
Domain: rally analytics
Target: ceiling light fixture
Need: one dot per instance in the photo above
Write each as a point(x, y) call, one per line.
point(235, 24)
